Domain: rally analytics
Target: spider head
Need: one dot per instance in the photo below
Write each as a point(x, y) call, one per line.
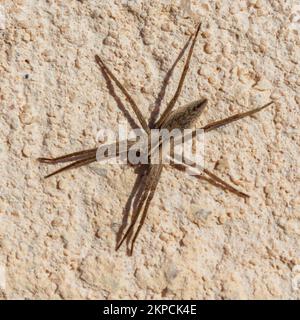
point(185, 117)
point(192, 112)
point(196, 107)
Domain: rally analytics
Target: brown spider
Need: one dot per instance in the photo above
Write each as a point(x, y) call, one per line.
point(183, 118)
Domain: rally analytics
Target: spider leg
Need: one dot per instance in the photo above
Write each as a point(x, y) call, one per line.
point(225, 184)
point(213, 178)
point(155, 112)
point(85, 157)
point(216, 184)
point(209, 180)
point(151, 178)
point(73, 165)
point(158, 171)
point(223, 122)
point(125, 92)
point(133, 222)
point(171, 104)
point(68, 157)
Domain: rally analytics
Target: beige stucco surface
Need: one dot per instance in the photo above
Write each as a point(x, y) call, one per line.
point(58, 235)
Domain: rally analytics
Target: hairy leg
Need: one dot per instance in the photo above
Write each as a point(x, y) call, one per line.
point(223, 122)
point(76, 164)
point(225, 184)
point(171, 104)
point(85, 157)
point(212, 178)
point(157, 173)
point(155, 112)
point(69, 157)
point(151, 179)
point(125, 92)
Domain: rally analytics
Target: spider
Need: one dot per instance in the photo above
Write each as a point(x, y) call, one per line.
point(182, 118)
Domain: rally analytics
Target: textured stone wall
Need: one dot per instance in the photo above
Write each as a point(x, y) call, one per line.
point(58, 235)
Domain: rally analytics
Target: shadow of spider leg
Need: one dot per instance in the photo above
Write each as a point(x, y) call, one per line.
point(143, 206)
point(156, 177)
point(76, 164)
point(172, 102)
point(213, 179)
point(127, 95)
point(225, 185)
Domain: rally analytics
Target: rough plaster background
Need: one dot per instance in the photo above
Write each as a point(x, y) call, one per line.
point(58, 235)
